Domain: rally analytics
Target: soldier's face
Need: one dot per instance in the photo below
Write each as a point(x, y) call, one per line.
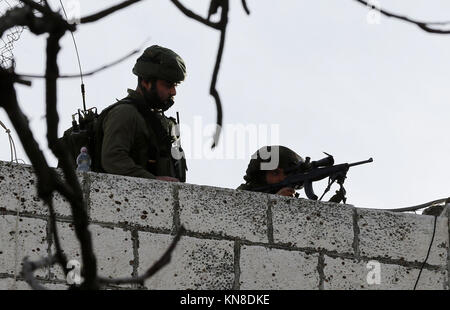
point(166, 90)
point(275, 176)
point(158, 96)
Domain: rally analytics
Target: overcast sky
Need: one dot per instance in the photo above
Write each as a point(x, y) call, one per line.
point(313, 75)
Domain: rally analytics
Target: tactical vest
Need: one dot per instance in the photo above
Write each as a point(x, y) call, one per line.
point(162, 141)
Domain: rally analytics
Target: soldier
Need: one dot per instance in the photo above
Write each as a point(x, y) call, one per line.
point(137, 138)
point(259, 173)
point(281, 157)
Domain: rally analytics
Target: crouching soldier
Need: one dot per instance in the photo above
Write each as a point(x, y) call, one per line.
point(268, 166)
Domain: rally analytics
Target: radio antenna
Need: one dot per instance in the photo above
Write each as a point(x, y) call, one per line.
point(83, 91)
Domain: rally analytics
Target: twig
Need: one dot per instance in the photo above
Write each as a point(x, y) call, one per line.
point(197, 17)
point(222, 27)
point(104, 13)
point(244, 4)
point(69, 76)
point(212, 90)
point(60, 256)
point(423, 25)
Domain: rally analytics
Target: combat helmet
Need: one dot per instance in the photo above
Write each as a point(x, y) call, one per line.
point(287, 159)
point(160, 63)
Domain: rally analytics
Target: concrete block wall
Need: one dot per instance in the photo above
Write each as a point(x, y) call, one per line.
point(234, 239)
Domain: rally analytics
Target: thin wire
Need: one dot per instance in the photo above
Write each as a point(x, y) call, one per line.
point(78, 58)
point(421, 206)
point(74, 43)
point(11, 142)
point(13, 145)
point(429, 249)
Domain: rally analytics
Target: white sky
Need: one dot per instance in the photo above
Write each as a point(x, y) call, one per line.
point(329, 79)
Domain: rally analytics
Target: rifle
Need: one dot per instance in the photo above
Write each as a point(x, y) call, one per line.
point(303, 174)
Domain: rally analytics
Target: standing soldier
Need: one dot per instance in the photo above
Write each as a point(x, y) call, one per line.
point(135, 136)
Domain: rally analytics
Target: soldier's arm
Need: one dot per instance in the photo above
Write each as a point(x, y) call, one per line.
point(120, 127)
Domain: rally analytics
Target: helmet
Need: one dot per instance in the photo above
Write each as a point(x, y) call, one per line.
point(255, 171)
point(161, 63)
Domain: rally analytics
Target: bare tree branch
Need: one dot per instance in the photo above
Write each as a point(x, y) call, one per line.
point(244, 5)
point(60, 256)
point(212, 90)
point(104, 13)
point(44, 9)
point(14, 17)
point(29, 267)
point(222, 27)
point(89, 73)
point(25, 17)
point(48, 180)
point(79, 214)
point(197, 17)
point(421, 24)
point(20, 123)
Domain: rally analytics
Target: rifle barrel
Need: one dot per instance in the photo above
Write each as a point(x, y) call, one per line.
point(361, 162)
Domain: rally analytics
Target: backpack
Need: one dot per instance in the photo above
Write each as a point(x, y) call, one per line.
point(85, 133)
point(88, 132)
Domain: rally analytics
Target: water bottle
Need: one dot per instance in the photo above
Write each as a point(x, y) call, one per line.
point(84, 160)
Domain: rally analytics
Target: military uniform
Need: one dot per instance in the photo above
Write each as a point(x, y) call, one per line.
point(137, 140)
point(135, 136)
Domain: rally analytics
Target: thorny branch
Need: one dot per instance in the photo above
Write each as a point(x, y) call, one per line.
point(48, 180)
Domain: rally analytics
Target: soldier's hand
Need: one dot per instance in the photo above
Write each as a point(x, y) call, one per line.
point(168, 179)
point(286, 191)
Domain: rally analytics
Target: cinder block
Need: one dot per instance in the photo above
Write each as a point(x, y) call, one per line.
point(113, 248)
point(348, 274)
point(31, 242)
point(195, 264)
point(119, 199)
point(9, 284)
point(239, 214)
point(56, 286)
point(18, 191)
point(275, 269)
point(311, 224)
point(402, 236)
